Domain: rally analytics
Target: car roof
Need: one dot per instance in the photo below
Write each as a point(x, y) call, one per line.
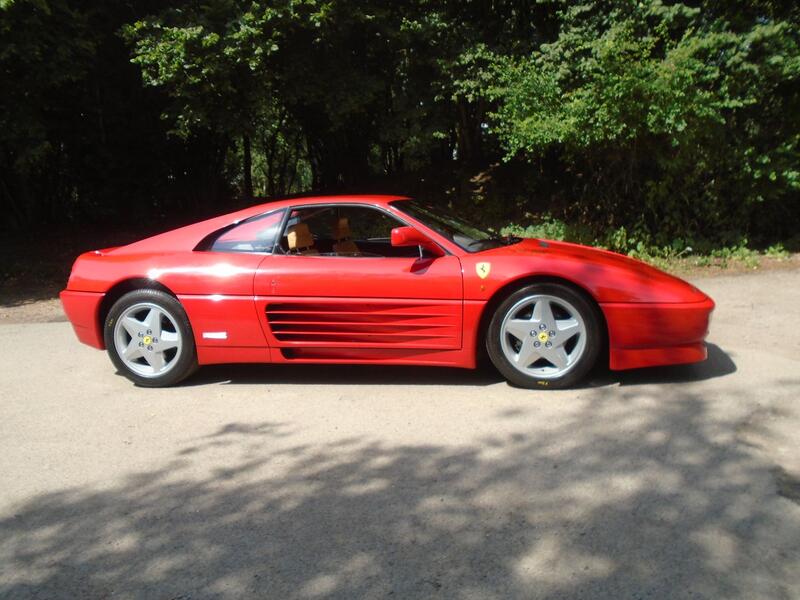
point(380, 199)
point(187, 237)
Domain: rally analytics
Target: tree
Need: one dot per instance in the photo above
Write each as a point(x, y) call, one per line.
point(207, 59)
point(670, 121)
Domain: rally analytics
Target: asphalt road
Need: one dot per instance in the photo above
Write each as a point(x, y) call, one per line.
point(408, 483)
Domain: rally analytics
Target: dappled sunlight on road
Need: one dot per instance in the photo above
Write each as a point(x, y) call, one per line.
point(307, 482)
point(629, 496)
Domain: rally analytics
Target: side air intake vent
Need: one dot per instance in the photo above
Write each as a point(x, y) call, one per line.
point(347, 323)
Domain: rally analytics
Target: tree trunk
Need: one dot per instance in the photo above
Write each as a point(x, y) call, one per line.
point(247, 166)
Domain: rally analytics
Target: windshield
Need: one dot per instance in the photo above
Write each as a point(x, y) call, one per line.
point(465, 235)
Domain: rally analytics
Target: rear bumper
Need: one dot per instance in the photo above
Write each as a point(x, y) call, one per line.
point(82, 310)
point(648, 335)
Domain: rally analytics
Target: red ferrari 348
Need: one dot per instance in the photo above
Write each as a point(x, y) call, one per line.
point(376, 279)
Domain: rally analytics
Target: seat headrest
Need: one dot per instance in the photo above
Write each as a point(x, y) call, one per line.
point(299, 236)
point(341, 229)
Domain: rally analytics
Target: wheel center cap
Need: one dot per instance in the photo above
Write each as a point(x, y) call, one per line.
point(543, 336)
point(147, 340)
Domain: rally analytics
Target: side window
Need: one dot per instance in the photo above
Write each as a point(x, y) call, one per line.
point(256, 234)
point(367, 224)
point(353, 231)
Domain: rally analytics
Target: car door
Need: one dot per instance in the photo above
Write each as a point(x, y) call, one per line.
point(316, 302)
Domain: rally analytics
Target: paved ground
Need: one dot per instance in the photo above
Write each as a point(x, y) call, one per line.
point(364, 482)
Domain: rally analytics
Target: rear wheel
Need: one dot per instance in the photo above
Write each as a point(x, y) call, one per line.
point(544, 335)
point(149, 338)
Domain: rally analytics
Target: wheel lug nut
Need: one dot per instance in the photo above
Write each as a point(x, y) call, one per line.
point(536, 344)
point(542, 326)
point(149, 347)
point(548, 344)
point(552, 334)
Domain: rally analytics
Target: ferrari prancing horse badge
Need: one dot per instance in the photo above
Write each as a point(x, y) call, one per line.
point(483, 268)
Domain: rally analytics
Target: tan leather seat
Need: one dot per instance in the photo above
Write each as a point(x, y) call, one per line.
point(300, 240)
point(341, 234)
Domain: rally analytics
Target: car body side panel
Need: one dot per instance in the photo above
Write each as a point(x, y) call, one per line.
point(82, 309)
point(215, 355)
point(223, 321)
point(606, 276)
point(216, 290)
point(325, 323)
point(313, 304)
point(464, 357)
point(653, 325)
point(647, 335)
point(621, 359)
point(653, 318)
point(354, 277)
point(201, 273)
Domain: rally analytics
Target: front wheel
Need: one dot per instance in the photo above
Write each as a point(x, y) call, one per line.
point(149, 338)
point(545, 335)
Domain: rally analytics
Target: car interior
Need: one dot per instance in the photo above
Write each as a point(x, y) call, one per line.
point(299, 240)
point(351, 231)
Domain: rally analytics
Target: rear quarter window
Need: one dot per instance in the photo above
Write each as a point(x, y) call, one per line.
point(256, 234)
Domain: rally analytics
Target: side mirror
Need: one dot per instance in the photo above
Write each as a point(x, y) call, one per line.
point(408, 236)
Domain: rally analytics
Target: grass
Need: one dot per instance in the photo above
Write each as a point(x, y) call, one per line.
point(737, 258)
point(679, 257)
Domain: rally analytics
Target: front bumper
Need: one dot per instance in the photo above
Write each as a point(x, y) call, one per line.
point(83, 311)
point(648, 335)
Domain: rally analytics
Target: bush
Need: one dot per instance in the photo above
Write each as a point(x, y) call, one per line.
point(661, 122)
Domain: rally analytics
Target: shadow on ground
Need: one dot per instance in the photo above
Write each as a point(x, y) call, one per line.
point(666, 509)
point(719, 364)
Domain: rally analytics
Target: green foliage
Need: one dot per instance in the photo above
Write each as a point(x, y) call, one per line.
point(25, 111)
point(646, 127)
point(777, 251)
point(214, 59)
point(676, 254)
point(666, 118)
point(547, 228)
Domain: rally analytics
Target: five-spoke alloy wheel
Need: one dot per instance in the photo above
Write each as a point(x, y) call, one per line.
point(544, 335)
point(149, 338)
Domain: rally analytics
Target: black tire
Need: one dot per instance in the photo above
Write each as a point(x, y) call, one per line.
point(577, 371)
point(185, 364)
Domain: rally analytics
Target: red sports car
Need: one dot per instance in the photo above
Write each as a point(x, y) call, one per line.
point(376, 280)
